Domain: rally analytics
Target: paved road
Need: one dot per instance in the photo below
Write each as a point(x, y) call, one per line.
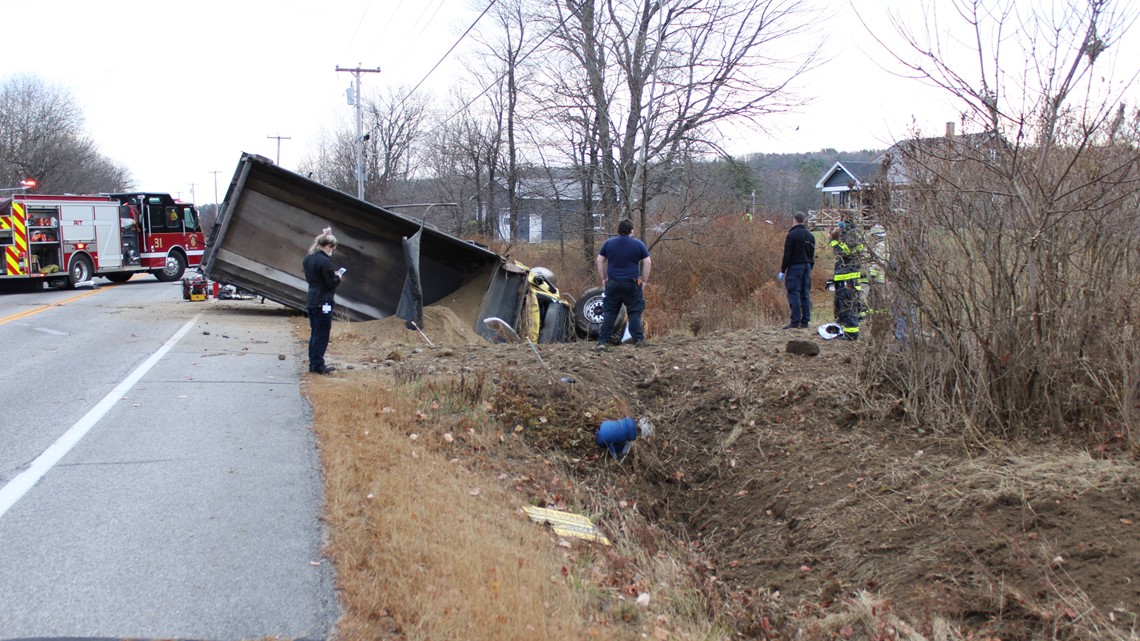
point(157, 475)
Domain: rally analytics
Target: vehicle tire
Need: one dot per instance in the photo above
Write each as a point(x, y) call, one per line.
point(79, 271)
point(588, 314)
point(118, 277)
point(175, 267)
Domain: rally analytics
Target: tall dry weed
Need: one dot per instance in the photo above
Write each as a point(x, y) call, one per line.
point(724, 279)
point(1010, 280)
point(1017, 244)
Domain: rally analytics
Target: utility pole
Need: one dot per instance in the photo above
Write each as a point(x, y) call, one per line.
point(354, 98)
point(279, 139)
point(216, 172)
point(192, 186)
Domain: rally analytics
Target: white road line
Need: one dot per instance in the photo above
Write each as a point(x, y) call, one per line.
point(19, 486)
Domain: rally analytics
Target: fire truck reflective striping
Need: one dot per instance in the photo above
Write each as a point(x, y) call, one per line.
point(20, 227)
point(6, 268)
point(19, 247)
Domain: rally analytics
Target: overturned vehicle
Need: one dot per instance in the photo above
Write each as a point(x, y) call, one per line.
point(397, 265)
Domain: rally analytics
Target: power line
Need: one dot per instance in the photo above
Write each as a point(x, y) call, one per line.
point(445, 55)
point(486, 88)
point(437, 64)
point(355, 31)
point(384, 29)
point(423, 28)
point(502, 75)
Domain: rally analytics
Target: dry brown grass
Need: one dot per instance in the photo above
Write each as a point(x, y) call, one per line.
point(424, 547)
point(726, 281)
point(430, 542)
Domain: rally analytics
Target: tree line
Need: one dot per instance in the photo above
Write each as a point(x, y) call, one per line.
point(43, 138)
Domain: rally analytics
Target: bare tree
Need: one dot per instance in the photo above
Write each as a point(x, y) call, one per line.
point(394, 124)
point(42, 137)
point(568, 132)
point(503, 50)
point(473, 136)
point(660, 74)
point(396, 121)
point(1012, 242)
point(457, 160)
point(333, 162)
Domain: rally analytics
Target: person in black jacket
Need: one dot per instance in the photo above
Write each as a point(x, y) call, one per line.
point(323, 281)
point(795, 271)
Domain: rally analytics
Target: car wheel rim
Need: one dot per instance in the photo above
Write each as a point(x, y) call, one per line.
point(593, 311)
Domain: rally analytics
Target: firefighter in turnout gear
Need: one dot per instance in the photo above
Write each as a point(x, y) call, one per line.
point(849, 280)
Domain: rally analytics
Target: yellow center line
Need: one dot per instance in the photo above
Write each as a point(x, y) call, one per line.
point(41, 308)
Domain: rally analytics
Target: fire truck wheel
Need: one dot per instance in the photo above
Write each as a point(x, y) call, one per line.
point(80, 270)
point(175, 267)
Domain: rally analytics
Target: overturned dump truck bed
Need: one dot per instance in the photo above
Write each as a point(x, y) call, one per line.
point(270, 217)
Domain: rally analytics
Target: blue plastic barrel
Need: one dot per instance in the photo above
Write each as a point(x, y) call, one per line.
point(617, 435)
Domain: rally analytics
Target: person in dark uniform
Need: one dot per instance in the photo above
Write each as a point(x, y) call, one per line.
point(847, 244)
point(795, 271)
point(323, 281)
point(623, 265)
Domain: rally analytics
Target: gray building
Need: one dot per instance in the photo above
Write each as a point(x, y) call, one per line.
point(551, 207)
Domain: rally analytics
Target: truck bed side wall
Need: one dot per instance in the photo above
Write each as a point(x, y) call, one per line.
point(268, 222)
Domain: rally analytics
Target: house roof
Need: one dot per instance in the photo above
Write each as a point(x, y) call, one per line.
point(548, 188)
point(552, 184)
point(935, 148)
point(846, 175)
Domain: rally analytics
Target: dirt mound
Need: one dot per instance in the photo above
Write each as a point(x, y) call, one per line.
point(770, 465)
point(371, 338)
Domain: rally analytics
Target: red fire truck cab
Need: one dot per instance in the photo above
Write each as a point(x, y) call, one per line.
point(64, 240)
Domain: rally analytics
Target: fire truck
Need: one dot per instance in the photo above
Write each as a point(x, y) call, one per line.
point(65, 240)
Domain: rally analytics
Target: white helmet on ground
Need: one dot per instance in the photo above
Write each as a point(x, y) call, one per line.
point(830, 330)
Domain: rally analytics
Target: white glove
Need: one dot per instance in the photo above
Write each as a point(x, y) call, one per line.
point(780, 277)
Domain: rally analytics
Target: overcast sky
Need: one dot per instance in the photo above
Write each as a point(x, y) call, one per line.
point(176, 91)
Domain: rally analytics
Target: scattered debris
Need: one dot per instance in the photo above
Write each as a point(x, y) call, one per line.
point(504, 331)
point(417, 328)
point(567, 524)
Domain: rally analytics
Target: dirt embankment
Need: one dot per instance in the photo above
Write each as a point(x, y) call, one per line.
point(770, 466)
